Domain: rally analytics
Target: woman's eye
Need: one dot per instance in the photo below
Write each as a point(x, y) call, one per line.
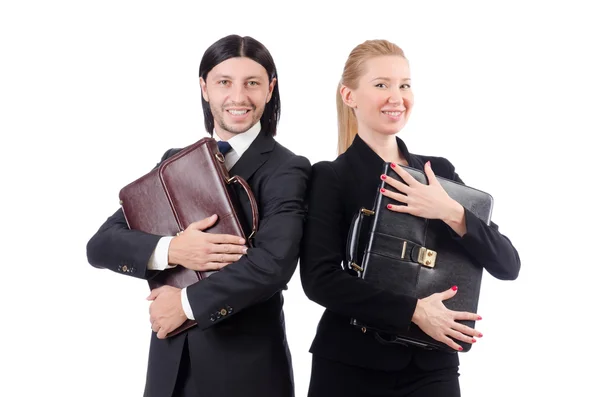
point(405, 86)
point(380, 85)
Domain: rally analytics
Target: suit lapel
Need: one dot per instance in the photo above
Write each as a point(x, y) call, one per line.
point(253, 158)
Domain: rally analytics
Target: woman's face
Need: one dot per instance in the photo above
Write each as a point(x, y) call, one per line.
point(383, 99)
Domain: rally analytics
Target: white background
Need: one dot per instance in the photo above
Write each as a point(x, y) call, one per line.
point(93, 93)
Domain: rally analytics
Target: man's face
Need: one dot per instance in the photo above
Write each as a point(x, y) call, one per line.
point(237, 91)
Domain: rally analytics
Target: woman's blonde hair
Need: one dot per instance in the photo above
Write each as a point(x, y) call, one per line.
point(353, 71)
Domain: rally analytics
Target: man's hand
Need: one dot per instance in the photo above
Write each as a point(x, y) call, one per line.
point(200, 251)
point(166, 312)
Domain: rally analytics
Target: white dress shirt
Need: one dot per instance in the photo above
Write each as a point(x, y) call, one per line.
point(160, 257)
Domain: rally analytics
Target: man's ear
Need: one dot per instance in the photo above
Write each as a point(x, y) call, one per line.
point(203, 88)
point(271, 88)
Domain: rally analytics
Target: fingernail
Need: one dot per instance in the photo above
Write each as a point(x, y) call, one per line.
point(382, 190)
point(245, 250)
point(479, 318)
point(481, 335)
point(383, 176)
point(393, 165)
point(242, 241)
point(474, 340)
point(454, 288)
point(428, 163)
point(460, 348)
point(389, 206)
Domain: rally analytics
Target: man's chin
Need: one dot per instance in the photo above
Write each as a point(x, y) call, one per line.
point(237, 129)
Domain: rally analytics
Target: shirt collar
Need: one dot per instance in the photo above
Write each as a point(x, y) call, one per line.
point(241, 142)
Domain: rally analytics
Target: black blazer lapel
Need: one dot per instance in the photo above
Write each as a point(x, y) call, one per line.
point(254, 157)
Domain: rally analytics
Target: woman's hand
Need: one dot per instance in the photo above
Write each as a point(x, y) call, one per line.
point(440, 323)
point(425, 201)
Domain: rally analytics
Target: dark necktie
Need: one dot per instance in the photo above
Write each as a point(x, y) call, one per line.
point(224, 147)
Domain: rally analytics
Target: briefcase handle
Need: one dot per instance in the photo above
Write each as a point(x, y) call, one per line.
point(253, 204)
point(354, 239)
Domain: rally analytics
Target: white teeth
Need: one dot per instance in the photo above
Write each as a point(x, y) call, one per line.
point(238, 112)
point(393, 113)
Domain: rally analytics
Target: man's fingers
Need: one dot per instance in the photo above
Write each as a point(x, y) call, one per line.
point(154, 293)
point(162, 333)
point(228, 249)
point(222, 258)
point(204, 223)
point(224, 239)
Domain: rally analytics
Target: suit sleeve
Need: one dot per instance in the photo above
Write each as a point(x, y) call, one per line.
point(323, 249)
point(491, 249)
point(116, 247)
point(269, 265)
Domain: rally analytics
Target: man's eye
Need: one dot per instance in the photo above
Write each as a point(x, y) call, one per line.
point(253, 83)
point(223, 82)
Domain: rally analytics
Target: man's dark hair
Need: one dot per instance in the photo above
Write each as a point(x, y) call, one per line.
point(233, 46)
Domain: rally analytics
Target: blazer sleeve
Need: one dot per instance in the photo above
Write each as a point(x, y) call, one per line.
point(491, 249)
point(269, 265)
point(323, 249)
point(116, 247)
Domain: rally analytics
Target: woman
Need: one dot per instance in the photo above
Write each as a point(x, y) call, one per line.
point(374, 103)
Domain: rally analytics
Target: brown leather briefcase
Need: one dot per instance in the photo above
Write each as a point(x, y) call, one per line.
point(187, 187)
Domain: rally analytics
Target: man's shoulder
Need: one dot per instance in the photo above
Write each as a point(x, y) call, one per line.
point(281, 154)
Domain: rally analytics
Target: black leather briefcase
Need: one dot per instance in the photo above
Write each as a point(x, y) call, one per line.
point(416, 256)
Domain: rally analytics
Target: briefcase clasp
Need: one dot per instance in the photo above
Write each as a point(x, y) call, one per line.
point(427, 257)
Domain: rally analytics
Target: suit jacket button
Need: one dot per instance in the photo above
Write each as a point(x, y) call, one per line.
point(125, 268)
point(218, 314)
point(212, 317)
point(229, 309)
point(223, 312)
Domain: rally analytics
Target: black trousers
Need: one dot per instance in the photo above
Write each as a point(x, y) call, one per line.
point(332, 379)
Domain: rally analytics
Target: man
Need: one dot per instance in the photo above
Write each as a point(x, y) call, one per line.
point(239, 347)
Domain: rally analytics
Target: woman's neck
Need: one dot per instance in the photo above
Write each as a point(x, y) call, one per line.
point(384, 145)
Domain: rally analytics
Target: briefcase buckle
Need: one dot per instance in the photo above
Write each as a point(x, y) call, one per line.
point(357, 268)
point(427, 257)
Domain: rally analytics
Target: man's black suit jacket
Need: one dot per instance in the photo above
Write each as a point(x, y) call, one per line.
point(338, 190)
point(245, 352)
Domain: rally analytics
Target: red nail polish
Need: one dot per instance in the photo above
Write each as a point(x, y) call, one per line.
point(454, 288)
point(481, 335)
point(479, 318)
point(393, 165)
point(389, 206)
point(382, 190)
point(460, 348)
point(474, 340)
point(383, 176)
